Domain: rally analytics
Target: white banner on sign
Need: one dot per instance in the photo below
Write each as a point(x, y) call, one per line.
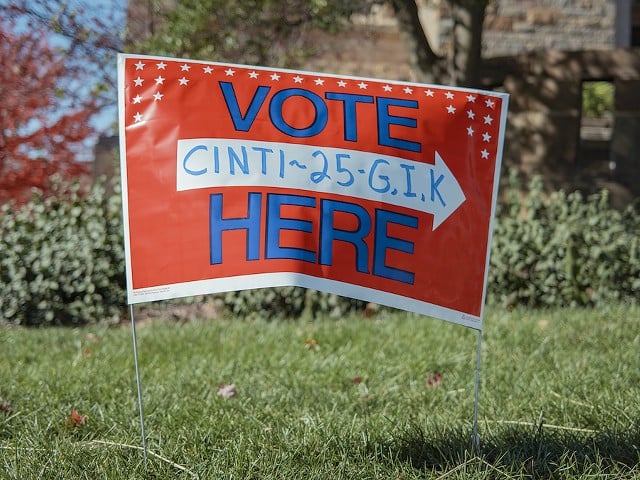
point(208, 162)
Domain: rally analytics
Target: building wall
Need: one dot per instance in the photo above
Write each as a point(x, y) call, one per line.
point(516, 26)
point(511, 27)
point(539, 51)
point(543, 124)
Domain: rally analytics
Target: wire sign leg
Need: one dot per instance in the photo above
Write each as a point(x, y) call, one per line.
point(138, 383)
point(476, 436)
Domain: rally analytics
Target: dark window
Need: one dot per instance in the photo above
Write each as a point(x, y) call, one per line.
point(596, 128)
point(635, 24)
point(596, 120)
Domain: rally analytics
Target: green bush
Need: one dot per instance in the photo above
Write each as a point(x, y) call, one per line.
point(556, 248)
point(62, 258)
point(289, 302)
point(563, 249)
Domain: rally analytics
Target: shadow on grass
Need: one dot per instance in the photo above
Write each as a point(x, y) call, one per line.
point(536, 452)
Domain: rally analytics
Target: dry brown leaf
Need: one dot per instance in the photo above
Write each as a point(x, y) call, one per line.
point(434, 379)
point(227, 390)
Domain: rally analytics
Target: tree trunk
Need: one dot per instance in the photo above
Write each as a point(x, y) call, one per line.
point(468, 18)
point(431, 68)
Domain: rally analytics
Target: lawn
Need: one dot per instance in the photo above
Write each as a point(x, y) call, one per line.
point(389, 397)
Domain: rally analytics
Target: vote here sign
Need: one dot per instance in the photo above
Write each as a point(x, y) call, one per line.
point(238, 177)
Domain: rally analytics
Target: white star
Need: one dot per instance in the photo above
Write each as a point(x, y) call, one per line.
point(137, 99)
point(139, 65)
point(159, 80)
point(157, 96)
point(486, 137)
point(137, 117)
point(387, 88)
point(484, 153)
point(207, 69)
point(183, 81)
point(470, 131)
point(185, 68)
point(319, 81)
point(451, 109)
point(489, 103)
point(408, 90)
point(488, 120)
point(428, 92)
point(229, 72)
point(253, 74)
point(470, 114)
point(275, 76)
point(342, 83)
point(138, 81)
point(161, 65)
point(449, 95)
point(363, 86)
point(471, 98)
point(297, 79)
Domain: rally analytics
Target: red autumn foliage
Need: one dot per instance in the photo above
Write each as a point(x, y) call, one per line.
point(42, 123)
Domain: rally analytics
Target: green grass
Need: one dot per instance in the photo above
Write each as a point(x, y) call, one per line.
point(348, 399)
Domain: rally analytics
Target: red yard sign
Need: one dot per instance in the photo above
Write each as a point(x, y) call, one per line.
point(238, 177)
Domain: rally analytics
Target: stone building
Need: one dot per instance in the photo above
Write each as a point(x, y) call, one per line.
point(546, 56)
point(544, 53)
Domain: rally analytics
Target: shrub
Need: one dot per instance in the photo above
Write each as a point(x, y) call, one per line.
point(289, 302)
point(558, 249)
point(563, 249)
point(62, 258)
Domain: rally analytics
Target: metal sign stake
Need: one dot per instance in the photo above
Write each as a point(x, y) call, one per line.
point(475, 435)
point(139, 384)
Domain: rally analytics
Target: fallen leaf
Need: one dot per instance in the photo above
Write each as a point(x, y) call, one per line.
point(91, 337)
point(311, 343)
point(76, 420)
point(357, 380)
point(5, 407)
point(371, 310)
point(434, 379)
point(227, 390)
